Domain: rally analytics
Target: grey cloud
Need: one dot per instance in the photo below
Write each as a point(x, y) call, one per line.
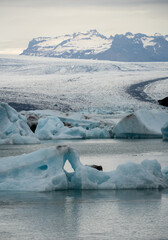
point(78, 3)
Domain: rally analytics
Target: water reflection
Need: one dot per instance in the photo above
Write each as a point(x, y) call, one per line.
point(103, 214)
point(75, 196)
point(82, 214)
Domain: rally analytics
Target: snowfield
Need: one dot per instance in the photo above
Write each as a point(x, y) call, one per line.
point(93, 45)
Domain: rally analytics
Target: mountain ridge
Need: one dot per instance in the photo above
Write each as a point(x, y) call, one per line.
point(93, 45)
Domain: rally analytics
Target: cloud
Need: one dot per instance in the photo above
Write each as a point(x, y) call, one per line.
point(80, 3)
point(22, 20)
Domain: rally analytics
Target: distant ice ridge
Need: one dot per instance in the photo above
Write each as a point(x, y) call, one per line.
point(93, 45)
point(14, 128)
point(43, 170)
point(141, 124)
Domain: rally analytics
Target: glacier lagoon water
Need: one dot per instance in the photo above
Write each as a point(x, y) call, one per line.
point(121, 214)
point(84, 215)
point(106, 152)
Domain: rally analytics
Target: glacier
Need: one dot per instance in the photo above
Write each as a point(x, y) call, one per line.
point(71, 88)
point(74, 85)
point(43, 170)
point(141, 124)
point(14, 128)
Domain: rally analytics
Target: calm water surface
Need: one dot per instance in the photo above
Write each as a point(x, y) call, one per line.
point(84, 215)
point(122, 214)
point(109, 152)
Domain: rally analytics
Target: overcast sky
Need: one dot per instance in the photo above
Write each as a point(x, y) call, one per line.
point(22, 20)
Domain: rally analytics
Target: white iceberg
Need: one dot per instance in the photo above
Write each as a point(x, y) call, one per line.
point(43, 170)
point(48, 128)
point(141, 124)
point(165, 131)
point(14, 128)
point(53, 127)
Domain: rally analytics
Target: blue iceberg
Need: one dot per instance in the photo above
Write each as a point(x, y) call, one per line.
point(165, 132)
point(53, 127)
point(141, 124)
point(14, 128)
point(43, 170)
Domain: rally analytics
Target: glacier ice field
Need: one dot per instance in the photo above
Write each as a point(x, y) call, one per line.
point(81, 99)
point(79, 85)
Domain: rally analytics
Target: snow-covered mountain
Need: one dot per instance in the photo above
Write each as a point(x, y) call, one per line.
point(93, 45)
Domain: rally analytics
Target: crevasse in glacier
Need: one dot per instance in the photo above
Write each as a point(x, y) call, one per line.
point(43, 170)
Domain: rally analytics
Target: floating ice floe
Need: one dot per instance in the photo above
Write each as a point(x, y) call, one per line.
point(53, 125)
point(141, 124)
point(165, 131)
point(14, 128)
point(43, 170)
point(52, 128)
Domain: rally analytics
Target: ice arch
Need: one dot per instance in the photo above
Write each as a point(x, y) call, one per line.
point(43, 170)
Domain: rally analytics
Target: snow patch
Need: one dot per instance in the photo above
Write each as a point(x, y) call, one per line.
point(148, 41)
point(129, 35)
point(91, 41)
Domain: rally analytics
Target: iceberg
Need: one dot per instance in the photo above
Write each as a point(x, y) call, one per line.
point(49, 128)
point(43, 170)
point(14, 128)
point(141, 124)
point(53, 127)
point(165, 131)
